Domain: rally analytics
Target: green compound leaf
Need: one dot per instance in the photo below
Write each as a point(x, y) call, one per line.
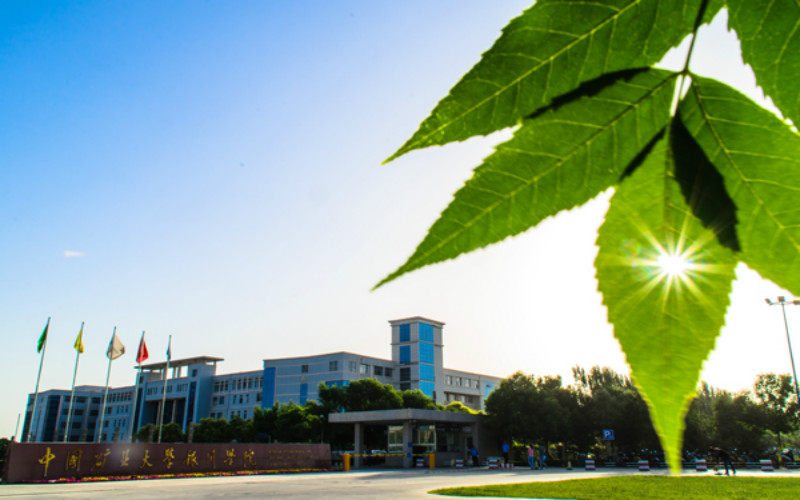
point(550, 50)
point(769, 31)
point(666, 324)
point(557, 160)
point(759, 158)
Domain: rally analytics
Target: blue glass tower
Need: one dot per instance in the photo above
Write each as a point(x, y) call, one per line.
point(417, 351)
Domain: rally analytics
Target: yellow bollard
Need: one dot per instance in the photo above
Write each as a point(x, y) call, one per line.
point(346, 462)
point(432, 460)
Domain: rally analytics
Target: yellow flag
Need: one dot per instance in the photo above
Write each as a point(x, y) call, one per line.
point(79, 341)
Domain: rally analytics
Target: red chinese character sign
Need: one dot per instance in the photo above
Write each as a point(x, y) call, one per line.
point(53, 461)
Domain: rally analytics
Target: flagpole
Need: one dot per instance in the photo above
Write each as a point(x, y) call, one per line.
point(74, 374)
point(164, 396)
point(136, 387)
point(38, 378)
point(105, 394)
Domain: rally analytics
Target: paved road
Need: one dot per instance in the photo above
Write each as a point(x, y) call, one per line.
point(358, 485)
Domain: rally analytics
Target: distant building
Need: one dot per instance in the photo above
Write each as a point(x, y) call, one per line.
point(416, 363)
point(194, 390)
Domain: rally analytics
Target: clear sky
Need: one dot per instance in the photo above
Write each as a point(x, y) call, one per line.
point(212, 171)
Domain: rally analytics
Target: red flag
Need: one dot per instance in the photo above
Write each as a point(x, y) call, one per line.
point(142, 354)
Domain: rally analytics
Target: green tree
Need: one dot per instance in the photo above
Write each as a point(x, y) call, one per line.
point(609, 400)
point(264, 422)
point(510, 408)
point(172, 433)
point(242, 431)
point(527, 410)
point(296, 424)
point(701, 428)
point(145, 433)
point(212, 430)
point(458, 407)
point(739, 425)
point(778, 402)
point(3, 448)
point(369, 394)
point(699, 186)
point(415, 398)
point(333, 399)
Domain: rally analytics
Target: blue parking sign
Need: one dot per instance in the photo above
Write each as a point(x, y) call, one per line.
point(608, 434)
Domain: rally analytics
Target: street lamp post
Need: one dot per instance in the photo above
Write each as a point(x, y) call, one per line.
point(783, 303)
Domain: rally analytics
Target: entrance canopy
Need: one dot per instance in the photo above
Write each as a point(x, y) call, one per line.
point(457, 431)
point(404, 415)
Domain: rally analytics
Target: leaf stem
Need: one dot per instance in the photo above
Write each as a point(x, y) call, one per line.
point(697, 23)
point(685, 71)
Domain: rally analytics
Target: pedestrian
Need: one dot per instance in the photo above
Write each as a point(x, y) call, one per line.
point(505, 453)
point(725, 458)
point(531, 458)
point(474, 453)
point(542, 457)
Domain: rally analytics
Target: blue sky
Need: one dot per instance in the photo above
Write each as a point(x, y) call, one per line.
point(212, 171)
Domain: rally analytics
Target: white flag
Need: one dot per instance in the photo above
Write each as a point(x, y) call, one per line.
point(115, 348)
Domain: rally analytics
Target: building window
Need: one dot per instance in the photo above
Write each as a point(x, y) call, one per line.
point(426, 437)
point(303, 393)
point(457, 381)
point(448, 380)
point(269, 386)
point(364, 369)
point(405, 386)
point(405, 374)
point(427, 388)
point(405, 354)
point(405, 333)
point(389, 372)
point(352, 366)
point(425, 352)
point(395, 439)
point(303, 368)
point(426, 332)
point(426, 372)
point(333, 366)
point(378, 370)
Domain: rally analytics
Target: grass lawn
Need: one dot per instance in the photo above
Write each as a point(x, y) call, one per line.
point(633, 487)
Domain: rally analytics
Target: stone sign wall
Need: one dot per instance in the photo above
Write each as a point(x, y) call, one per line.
point(53, 461)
